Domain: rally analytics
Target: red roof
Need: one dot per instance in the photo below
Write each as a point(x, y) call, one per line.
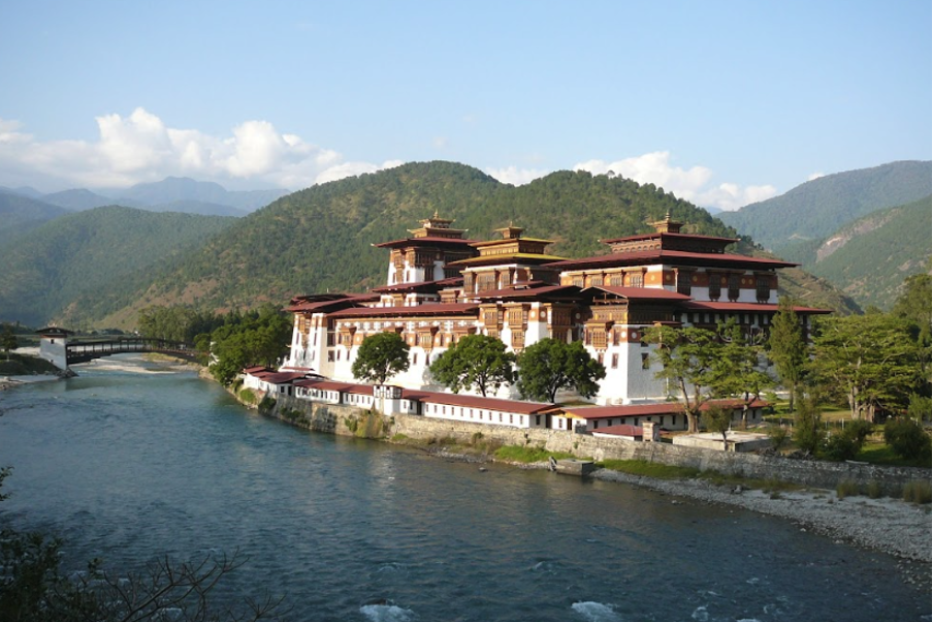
point(282, 377)
point(667, 256)
point(641, 293)
point(333, 385)
point(421, 241)
point(631, 410)
point(681, 236)
point(644, 410)
point(419, 310)
point(489, 403)
point(745, 307)
point(313, 304)
point(254, 370)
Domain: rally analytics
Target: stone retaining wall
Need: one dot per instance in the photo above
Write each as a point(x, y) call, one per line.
point(818, 474)
point(352, 421)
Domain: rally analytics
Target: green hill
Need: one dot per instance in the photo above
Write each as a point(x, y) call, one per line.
point(814, 210)
point(870, 258)
point(321, 238)
point(84, 253)
point(20, 214)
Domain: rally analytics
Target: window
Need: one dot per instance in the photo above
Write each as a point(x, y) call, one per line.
point(683, 283)
point(715, 287)
point(645, 361)
point(763, 289)
point(636, 280)
point(615, 360)
point(414, 358)
point(734, 283)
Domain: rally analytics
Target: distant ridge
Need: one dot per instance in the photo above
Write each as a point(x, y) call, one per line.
point(322, 238)
point(88, 253)
point(870, 258)
point(815, 209)
point(20, 214)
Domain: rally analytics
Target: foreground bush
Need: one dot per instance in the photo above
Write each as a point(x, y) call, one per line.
point(907, 438)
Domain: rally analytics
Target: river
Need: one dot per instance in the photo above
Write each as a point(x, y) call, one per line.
point(132, 460)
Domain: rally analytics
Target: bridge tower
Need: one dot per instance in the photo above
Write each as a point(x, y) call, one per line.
point(52, 345)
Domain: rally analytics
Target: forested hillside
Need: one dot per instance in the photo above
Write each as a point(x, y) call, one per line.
point(20, 214)
point(814, 210)
point(87, 253)
point(871, 257)
point(321, 238)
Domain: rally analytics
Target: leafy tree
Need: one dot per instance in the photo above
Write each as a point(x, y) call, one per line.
point(907, 438)
point(688, 356)
point(8, 340)
point(871, 359)
point(478, 361)
point(254, 338)
point(787, 348)
point(846, 443)
point(808, 426)
point(920, 408)
point(915, 307)
point(718, 419)
point(737, 369)
point(380, 356)
point(550, 365)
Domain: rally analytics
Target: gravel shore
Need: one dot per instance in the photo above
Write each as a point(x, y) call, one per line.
point(886, 525)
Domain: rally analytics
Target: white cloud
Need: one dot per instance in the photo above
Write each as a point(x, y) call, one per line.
point(689, 184)
point(140, 147)
point(516, 176)
point(815, 176)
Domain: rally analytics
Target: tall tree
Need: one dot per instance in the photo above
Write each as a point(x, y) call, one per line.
point(380, 357)
point(738, 371)
point(478, 361)
point(550, 365)
point(787, 348)
point(687, 356)
point(871, 359)
point(253, 338)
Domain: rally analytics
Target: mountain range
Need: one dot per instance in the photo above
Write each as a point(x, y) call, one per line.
point(322, 238)
point(100, 266)
point(48, 268)
point(173, 194)
point(864, 230)
point(816, 209)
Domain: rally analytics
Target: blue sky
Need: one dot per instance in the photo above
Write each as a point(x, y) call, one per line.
point(722, 103)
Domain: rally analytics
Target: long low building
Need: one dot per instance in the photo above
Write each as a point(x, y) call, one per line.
point(391, 400)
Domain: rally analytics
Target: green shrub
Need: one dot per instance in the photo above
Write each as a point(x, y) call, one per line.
point(860, 429)
point(266, 404)
point(841, 446)
point(917, 491)
point(247, 396)
point(847, 488)
point(907, 438)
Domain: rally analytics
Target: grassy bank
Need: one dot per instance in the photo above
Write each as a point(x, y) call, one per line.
point(25, 365)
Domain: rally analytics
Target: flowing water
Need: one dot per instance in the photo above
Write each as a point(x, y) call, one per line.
point(130, 461)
